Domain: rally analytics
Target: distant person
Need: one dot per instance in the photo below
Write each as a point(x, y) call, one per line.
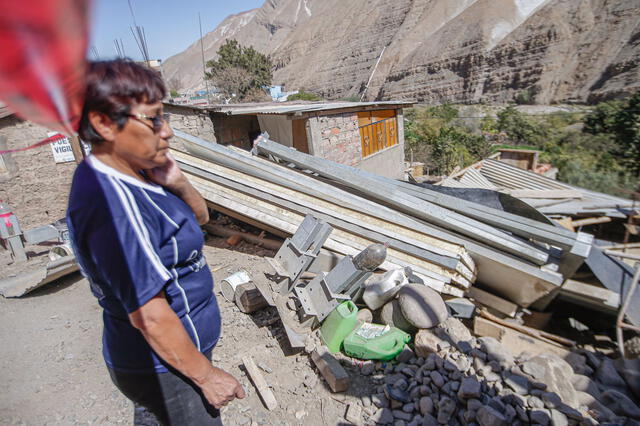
point(133, 218)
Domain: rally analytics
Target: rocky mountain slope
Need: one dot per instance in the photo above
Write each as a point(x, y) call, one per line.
point(438, 50)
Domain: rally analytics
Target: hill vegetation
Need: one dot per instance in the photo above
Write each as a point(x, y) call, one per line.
point(598, 149)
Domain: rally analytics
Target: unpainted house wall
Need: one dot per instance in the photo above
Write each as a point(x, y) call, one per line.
point(194, 122)
point(336, 138)
point(31, 182)
point(389, 162)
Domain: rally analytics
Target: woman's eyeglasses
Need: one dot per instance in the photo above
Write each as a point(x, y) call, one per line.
point(156, 120)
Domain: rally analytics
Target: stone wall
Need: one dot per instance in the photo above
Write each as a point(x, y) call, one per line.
point(31, 182)
point(192, 121)
point(339, 138)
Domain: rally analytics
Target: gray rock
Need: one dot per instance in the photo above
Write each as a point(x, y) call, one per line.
point(474, 404)
point(469, 388)
point(408, 371)
point(365, 315)
point(399, 414)
point(490, 376)
point(405, 355)
point(430, 362)
point(455, 332)
point(383, 416)
point(446, 408)
point(443, 345)
point(469, 416)
point(558, 419)
point(519, 384)
point(463, 364)
point(608, 375)
point(429, 420)
point(585, 384)
point(540, 416)
point(421, 306)
point(391, 315)
point(556, 373)
point(522, 414)
point(629, 369)
point(620, 404)
point(488, 416)
point(426, 343)
point(399, 423)
point(593, 360)
point(455, 385)
point(515, 400)
point(551, 400)
point(437, 378)
point(409, 408)
point(510, 413)
point(497, 404)
point(393, 378)
point(535, 402)
point(449, 366)
point(426, 405)
point(477, 353)
point(495, 350)
point(578, 363)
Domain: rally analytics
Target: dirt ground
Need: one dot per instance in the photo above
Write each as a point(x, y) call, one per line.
point(52, 370)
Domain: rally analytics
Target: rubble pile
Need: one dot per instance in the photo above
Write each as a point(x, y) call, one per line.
point(451, 377)
point(443, 259)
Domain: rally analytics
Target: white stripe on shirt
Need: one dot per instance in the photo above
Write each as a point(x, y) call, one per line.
point(140, 231)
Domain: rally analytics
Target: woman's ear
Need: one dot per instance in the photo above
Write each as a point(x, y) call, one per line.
point(103, 125)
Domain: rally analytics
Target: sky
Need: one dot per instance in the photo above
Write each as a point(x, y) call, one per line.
point(170, 26)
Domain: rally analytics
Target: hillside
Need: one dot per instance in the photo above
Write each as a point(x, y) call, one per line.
point(438, 50)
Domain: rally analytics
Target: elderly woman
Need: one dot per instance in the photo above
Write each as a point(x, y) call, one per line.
point(133, 219)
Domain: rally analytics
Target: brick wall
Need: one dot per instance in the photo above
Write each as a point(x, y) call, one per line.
point(31, 182)
point(339, 138)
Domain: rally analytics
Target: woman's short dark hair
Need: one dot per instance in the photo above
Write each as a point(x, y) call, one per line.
point(112, 88)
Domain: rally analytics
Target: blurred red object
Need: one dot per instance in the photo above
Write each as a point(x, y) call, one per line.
point(43, 60)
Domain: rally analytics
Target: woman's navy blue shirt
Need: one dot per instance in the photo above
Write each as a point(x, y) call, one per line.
point(133, 240)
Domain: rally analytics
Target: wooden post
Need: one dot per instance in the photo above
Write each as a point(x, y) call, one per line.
point(260, 383)
point(76, 147)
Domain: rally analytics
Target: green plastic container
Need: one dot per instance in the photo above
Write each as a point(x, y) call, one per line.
point(340, 322)
point(374, 341)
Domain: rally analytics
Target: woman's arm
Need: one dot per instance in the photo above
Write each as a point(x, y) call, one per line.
point(165, 333)
point(171, 177)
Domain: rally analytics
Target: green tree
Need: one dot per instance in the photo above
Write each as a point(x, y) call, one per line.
point(304, 96)
point(627, 131)
point(239, 69)
point(621, 120)
point(520, 128)
point(434, 136)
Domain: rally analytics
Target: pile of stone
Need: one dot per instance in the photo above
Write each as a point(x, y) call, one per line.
point(453, 378)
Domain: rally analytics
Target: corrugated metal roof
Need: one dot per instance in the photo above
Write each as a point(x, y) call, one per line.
point(297, 108)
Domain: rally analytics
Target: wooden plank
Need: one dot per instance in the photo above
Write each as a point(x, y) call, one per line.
point(566, 223)
point(514, 341)
point(591, 221)
point(492, 301)
point(260, 383)
point(592, 292)
point(330, 368)
point(249, 299)
point(539, 334)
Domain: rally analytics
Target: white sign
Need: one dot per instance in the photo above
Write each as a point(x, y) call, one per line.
point(62, 152)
